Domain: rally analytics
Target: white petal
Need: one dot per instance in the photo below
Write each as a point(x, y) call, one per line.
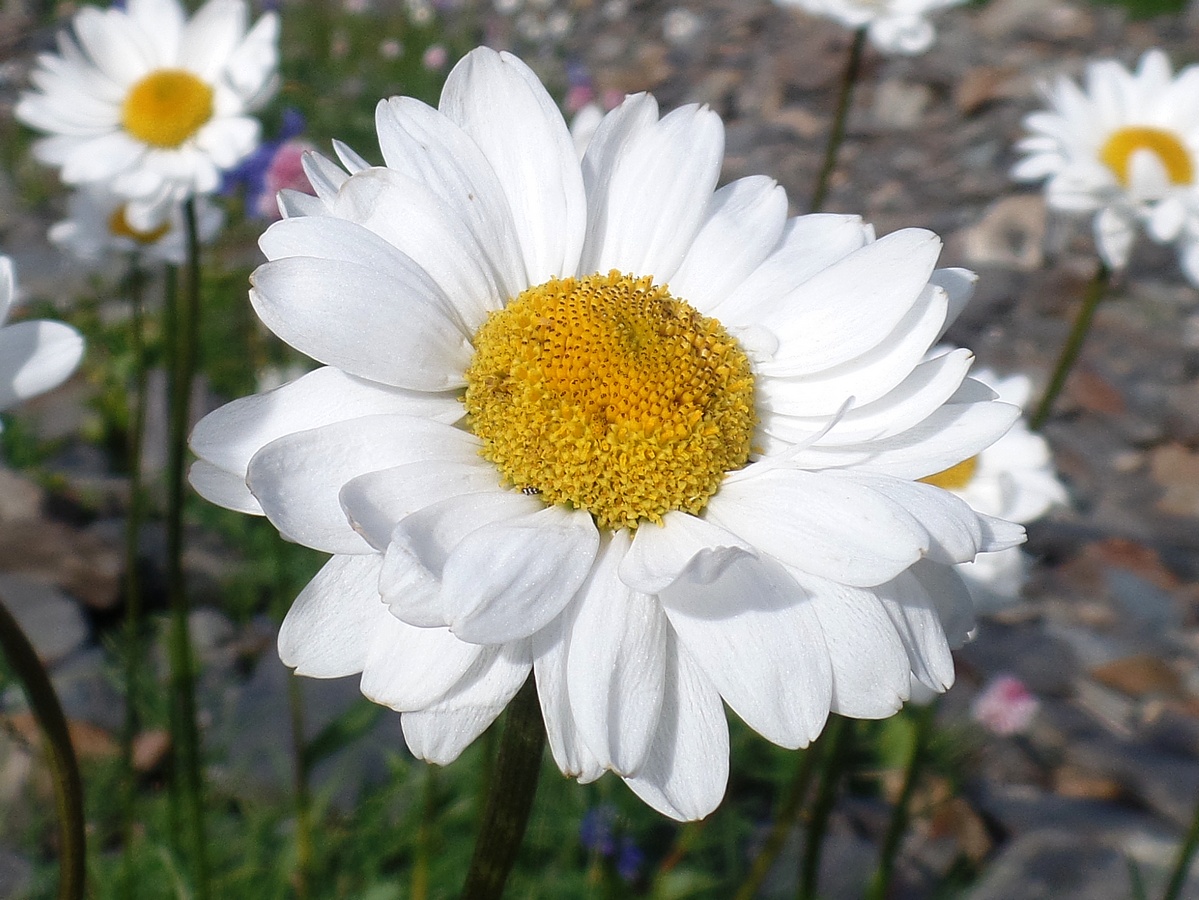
point(499, 102)
point(853, 305)
point(915, 615)
point(328, 629)
point(687, 769)
point(616, 666)
point(440, 732)
point(36, 356)
point(755, 635)
point(648, 199)
point(506, 580)
point(222, 487)
point(408, 668)
point(397, 328)
point(871, 672)
point(231, 435)
point(824, 523)
point(297, 477)
point(423, 541)
point(376, 501)
point(550, 651)
point(745, 221)
point(424, 145)
point(683, 544)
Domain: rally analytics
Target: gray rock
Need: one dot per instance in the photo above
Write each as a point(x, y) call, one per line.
point(52, 621)
point(1055, 864)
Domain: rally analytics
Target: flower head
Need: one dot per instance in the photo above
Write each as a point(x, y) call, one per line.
point(1125, 148)
point(1005, 706)
point(35, 355)
point(1013, 479)
point(97, 225)
point(654, 442)
point(151, 104)
point(894, 26)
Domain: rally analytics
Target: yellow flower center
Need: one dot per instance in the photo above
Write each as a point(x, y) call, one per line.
point(119, 226)
point(1117, 153)
point(955, 478)
point(607, 393)
point(167, 107)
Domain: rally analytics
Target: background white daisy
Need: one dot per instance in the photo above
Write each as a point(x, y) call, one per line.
point(1124, 147)
point(97, 227)
point(151, 103)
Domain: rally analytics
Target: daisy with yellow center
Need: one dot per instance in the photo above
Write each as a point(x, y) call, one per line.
point(150, 104)
point(1126, 148)
point(597, 421)
point(97, 226)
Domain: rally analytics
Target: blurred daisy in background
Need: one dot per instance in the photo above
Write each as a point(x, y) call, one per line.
point(150, 103)
point(527, 455)
point(893, 26)
point(1013, 479)
point(1125, 148)
point(35, 355)
point(97, 226)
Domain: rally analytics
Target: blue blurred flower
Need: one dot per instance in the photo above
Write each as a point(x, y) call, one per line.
point(251, 176)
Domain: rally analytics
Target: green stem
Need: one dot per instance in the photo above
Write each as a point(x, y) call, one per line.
point(853, 66)
point(784, 820)
point(68, 788)
point(899, 817)
point(424, 837)
point(836, 739)
point(517, 767)
point(135, 515)
point(1095, 293)
point(1185, 854)
point(183, 687)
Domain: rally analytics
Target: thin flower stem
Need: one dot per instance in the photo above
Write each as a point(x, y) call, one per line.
point(517, 767)
point(135, 515)
point(424, 837)
point(899, 817)
point(183, 688)
point(68, 789)
point(1096, 291)
point(784, 820)
point(853, 66)
point(836, 739)
point(1186, 853)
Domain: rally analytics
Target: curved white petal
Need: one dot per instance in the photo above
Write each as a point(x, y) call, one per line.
point(36, 356)
point(499, 102)
point(508, 579)
point(682, 544)
point(685, 774)
point(297, 478)
point(409, 668)
point(551, 647)
point(756, 636)
point(440, 732)
point(616, 665)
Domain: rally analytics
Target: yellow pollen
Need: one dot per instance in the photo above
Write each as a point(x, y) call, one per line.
point(166, 108)
point(119, 225)
point(1117, 153)
point(955, 478)
point(607, 393)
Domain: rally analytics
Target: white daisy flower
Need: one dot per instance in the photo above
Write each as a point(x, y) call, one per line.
point(652, 441)
point(97, 226)
point(1125, 148)
point(893, 26)
point(35, 355)
point(1013, 479)
point(150, 103)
